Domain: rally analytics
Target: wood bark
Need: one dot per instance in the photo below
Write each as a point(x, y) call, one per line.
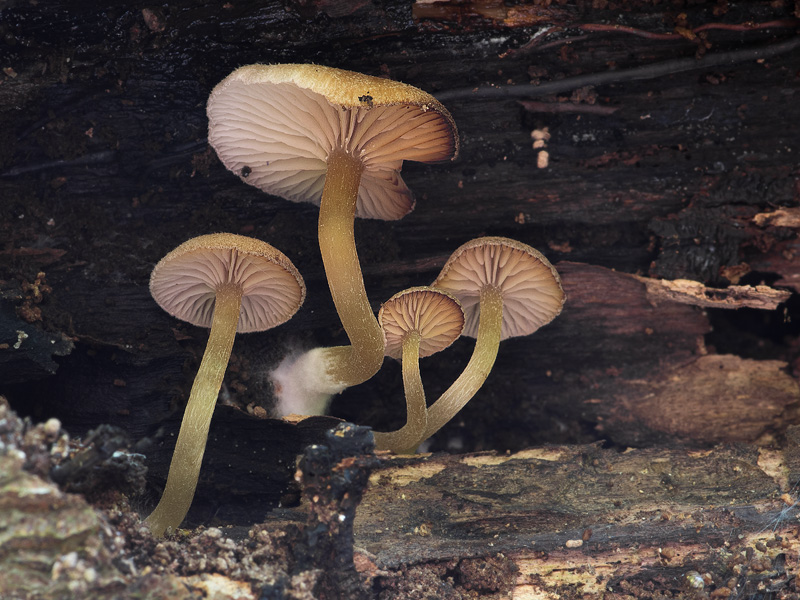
point(575, 522)
point(549, 522)
point(659, 168)
point(646, 148)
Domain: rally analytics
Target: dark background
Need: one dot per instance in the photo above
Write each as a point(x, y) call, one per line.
point(660, 156)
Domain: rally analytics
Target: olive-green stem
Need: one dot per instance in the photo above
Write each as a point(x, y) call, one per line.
point(188, 456)
point(407, 438)
point(480, 364)
point(348, 365)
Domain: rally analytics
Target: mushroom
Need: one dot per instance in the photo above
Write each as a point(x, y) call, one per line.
point(338, 139)
point(506, 289)
point(416, 322)
point(229, 283)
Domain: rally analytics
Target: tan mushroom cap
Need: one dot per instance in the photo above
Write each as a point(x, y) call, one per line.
point(435, 314)
point(276, 125)
point(530, 285)
point(185, 281)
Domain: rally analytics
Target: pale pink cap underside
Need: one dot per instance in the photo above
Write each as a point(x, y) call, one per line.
point(185, 287)
point(434, 314)
point(529, 284)
point(277, 137)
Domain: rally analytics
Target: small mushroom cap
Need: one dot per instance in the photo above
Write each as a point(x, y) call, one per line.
point(276, 125)
point(530, 285)
point(434, 314)
point(185, 281)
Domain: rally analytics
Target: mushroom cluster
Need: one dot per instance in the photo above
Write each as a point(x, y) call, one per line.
point(505, 289)
point(335, 138)
point(338, 139)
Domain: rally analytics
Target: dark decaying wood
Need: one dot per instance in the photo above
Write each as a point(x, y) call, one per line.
point(106, 169)
point(553, 522)
point(582, 520)
point(647, 149)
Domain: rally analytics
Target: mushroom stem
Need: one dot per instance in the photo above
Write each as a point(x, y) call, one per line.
point(406, 439)
point(490, 323)
point(354, 364)
point(188, 456)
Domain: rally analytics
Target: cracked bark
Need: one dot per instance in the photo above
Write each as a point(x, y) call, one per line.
point(636, 186)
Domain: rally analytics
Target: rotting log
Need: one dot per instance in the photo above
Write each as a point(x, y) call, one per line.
point(656, 145)
point(645, 154)
point(647, 377)
point(575, 521)
point(552, 522)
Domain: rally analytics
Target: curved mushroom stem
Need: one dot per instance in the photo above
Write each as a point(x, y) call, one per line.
point(188, 456)
point(406, 439)
point(480, 364)
point(347, 365)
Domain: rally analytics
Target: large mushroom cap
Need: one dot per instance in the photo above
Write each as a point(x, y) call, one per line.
point(434, 314)
point(185, 281)
point(529, 284)
point(276, 125)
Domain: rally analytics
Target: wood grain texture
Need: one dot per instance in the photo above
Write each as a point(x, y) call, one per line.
point(579, 521)
point(653, 171)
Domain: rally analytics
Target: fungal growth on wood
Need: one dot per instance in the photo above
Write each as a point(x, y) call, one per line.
point(335, 138)
point(507, 289)
point(231, 284)
point(417, 322)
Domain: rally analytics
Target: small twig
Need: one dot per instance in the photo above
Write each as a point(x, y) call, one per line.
point(96, 158)
point(631, 30)
point(749, 26)
point(651, 71)
point(538, 40)
point(567, 107)
point(561, 42)
point(533, 42)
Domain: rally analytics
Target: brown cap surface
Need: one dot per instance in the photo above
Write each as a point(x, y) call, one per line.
point(530, 286)
point(276, 125)
point(185, 281)
point(434, 314)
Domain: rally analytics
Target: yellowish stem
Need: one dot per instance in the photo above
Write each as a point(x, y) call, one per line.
point(348, 365)
point(184, 469)
point(480, 364)
point(406, 439)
